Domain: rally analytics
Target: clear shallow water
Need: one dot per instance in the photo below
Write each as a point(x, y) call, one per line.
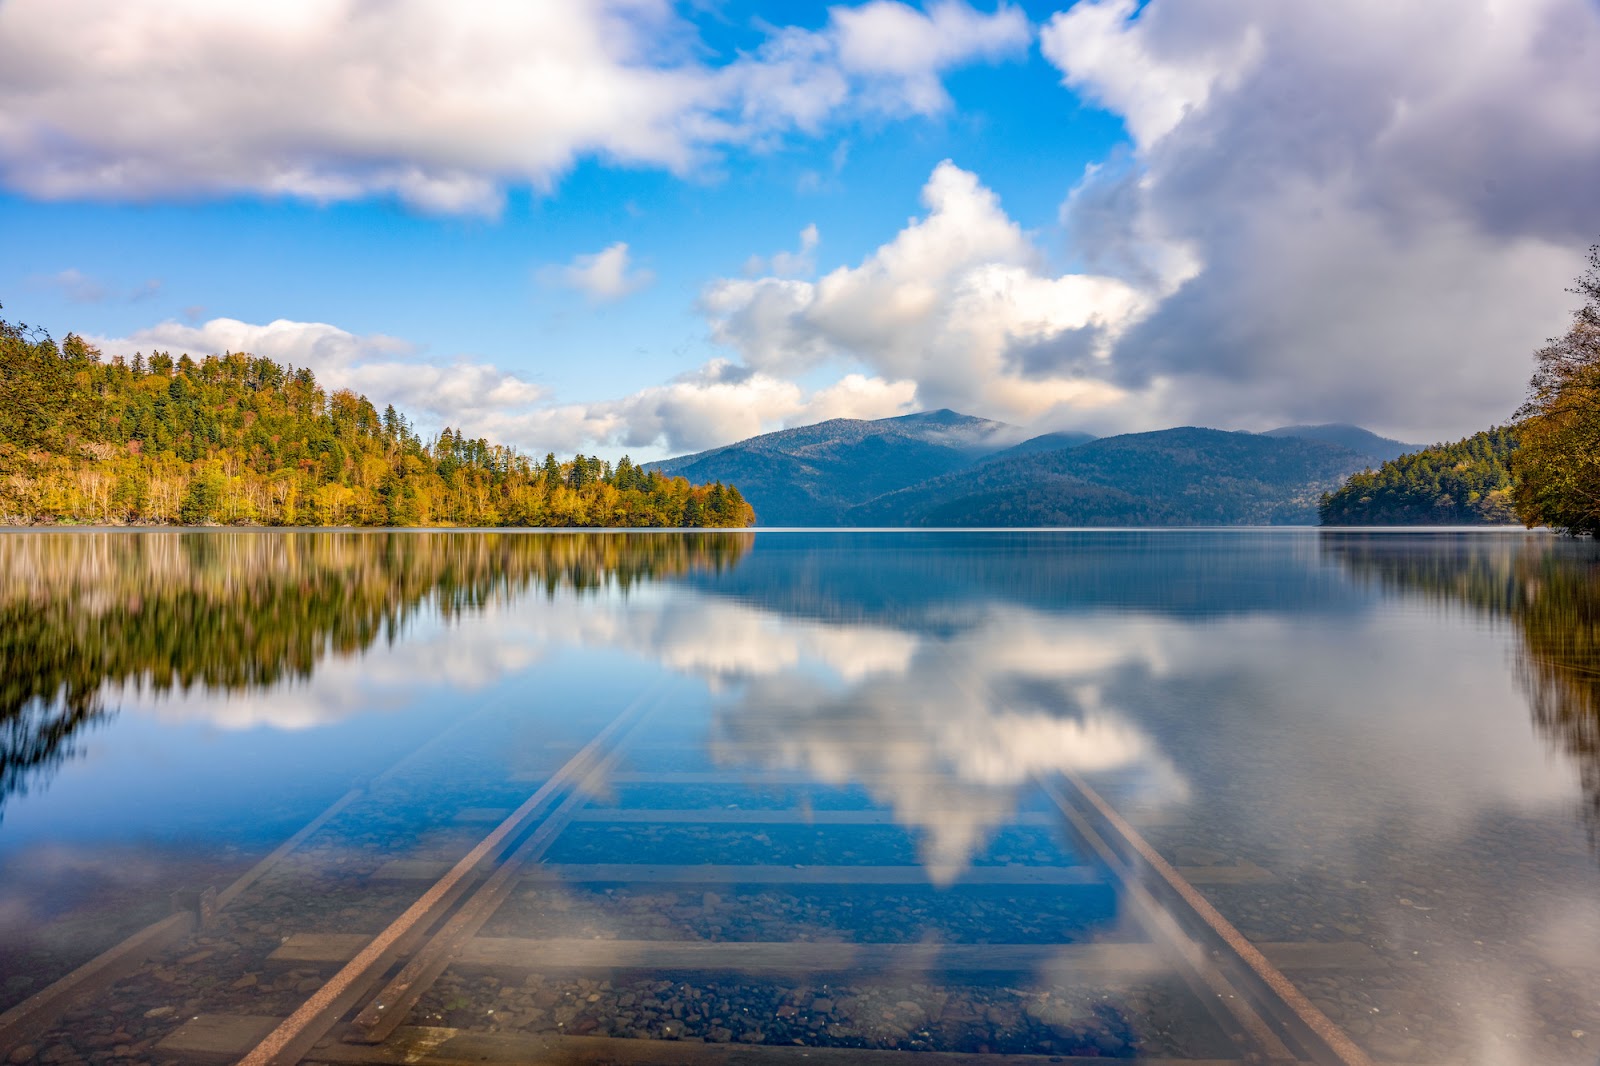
point(1383, 742)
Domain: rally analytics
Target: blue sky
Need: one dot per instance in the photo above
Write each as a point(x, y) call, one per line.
point(1114, 216)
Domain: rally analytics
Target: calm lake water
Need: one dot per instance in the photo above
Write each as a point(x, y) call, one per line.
point(1375, 754)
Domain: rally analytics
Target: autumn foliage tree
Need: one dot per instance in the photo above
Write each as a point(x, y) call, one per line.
point(1557, 464)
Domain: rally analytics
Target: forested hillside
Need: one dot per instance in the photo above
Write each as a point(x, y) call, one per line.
point(1045, 442)
point(238, 439)
point(1185, 476)
point(1468, 482)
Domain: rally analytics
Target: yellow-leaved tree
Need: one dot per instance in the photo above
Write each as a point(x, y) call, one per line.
point(1557, 465)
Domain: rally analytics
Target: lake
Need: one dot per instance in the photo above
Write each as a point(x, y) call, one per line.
point(987, 793)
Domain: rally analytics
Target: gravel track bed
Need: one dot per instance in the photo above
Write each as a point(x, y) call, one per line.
point(1149, 1019)
point(864, 914)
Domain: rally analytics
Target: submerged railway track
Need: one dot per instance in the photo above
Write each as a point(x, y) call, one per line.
point(375, 996)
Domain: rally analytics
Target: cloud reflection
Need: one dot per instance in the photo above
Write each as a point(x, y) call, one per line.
point(945, 728)
point(949, 741)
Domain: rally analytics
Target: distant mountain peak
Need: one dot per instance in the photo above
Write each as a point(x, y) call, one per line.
point(812, 474)
point(945, 417)
point(1357, 439)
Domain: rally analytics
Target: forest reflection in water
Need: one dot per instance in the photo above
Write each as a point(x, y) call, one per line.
point(168, 612)
point(1547, 589)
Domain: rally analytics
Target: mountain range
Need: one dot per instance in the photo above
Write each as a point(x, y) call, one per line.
point(943, 468)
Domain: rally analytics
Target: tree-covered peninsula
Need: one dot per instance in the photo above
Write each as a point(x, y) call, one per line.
point(238, 439)
point(1468, 482)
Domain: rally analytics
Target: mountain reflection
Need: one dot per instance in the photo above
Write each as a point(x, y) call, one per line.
point(1548, 589)
point(81, 613)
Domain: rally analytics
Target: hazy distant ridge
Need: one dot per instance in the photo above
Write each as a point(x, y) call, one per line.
point(1361, 441)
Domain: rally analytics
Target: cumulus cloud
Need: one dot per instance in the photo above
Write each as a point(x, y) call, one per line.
point(1382, 201)
point(798, 263)
point(720, 402)
point(604, 276)
point(440, 105)
point(463, 393)
point(1152, 80)
point(905, 50)
point(959, 302)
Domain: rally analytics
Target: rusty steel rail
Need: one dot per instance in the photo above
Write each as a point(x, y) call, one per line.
point(1231, 1008)
point(385, 1013)
point(1243, 990)
point(409, 933)
point(1276, 1015)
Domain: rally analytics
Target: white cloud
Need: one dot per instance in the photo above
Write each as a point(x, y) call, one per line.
point(959, 302)
point(606, 275)
point(1153, 87)
point(1384, 201)
point(440, 105)
point(717, 404)
point(799, 263)
point(464, 394)
point(908, 49)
